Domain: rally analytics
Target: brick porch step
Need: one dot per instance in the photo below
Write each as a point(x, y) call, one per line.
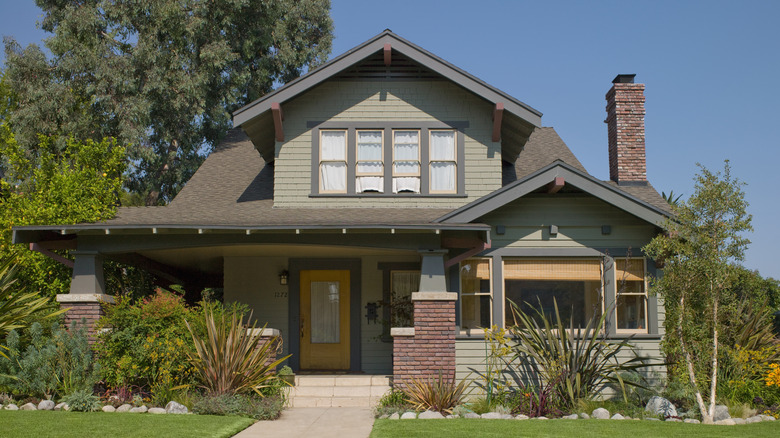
point(338, 390)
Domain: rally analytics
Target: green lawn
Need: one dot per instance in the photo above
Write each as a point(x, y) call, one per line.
point(46, 424)
point(470, 428)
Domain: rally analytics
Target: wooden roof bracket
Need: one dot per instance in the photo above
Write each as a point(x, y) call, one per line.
point(278, 116)
point(387, 52)
point(556, 185)
point(56, 257)
point(498, 115)
point(471, 252)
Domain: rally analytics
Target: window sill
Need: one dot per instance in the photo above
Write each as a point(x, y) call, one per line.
point(472, 335)
point(385, 195)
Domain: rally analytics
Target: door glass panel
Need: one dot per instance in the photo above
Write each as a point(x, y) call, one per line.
point(325, 312)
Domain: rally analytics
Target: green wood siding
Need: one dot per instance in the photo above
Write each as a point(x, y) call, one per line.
point(375, 101)
point(579, 218)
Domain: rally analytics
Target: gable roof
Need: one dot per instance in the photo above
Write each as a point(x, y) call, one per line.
point(362, 51)
point(614, 195)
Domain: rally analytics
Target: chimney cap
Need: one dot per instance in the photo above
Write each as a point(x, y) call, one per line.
point(624, 79)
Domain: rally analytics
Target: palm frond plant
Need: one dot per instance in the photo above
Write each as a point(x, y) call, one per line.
point(438, 394)
point(230, 359)
point(16, 304)
point(579, 360)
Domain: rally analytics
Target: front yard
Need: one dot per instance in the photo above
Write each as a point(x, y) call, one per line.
point(54, 424)
point(469, 428)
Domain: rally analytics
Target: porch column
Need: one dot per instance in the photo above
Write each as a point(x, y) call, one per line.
point(429, 347)
point(87, 292)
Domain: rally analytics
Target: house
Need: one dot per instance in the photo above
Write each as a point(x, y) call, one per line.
point(390, 188)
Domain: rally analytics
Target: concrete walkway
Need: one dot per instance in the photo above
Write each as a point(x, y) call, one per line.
point(315, 422)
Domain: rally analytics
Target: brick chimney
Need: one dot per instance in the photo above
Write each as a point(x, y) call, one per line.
point(626, 129)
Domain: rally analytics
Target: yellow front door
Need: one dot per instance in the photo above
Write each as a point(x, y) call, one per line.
point(324, 327)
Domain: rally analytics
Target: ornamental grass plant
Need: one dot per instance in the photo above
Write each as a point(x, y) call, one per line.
point(438, 394)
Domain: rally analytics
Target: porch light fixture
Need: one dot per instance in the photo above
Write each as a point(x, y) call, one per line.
point(283, 277)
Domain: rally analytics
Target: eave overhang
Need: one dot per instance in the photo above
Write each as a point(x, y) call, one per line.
point(549, 176)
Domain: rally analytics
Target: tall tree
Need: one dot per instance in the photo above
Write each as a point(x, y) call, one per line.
point(699, 253)
point(159, 75)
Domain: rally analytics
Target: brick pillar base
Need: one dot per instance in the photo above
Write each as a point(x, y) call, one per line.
point(428, 348)
point(84, 307)
point(269, 335)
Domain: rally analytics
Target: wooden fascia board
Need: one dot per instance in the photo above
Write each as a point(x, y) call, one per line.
point(586, 183)
point(407, 49)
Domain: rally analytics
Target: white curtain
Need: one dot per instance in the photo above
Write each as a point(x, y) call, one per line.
point(369, 146)
point(406, 184)
point(333, 177)
point(369, 184)
point(443, 177)
point(333, 146)
point(325, 320)
point(442, 146)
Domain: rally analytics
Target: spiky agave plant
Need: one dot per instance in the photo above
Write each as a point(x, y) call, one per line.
point(230, 359)
point(436, 394)
point(580, 360)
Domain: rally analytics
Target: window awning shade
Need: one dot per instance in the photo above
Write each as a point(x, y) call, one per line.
point(571, 270)
point(630, 270)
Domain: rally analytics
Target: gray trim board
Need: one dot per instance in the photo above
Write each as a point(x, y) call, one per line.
point(388, 127)
point(363, 51)
point(295, 266)
point(544, 176)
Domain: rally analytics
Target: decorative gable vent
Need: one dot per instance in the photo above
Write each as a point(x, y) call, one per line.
point(400, 67)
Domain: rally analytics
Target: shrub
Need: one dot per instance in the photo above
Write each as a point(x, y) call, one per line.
point(435, 394)
point(55, 364)
point(392, 402)
point(579, 361)
point(259, 408)
point(542, 401)
point(83, 401)
point(229, 360)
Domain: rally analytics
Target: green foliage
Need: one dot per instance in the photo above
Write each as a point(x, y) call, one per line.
point(146, 343)
point(435, 394)
point(229, 359)
point(243, 405)
point(83, 401)
point(16, 305)
point(393, 401)
point(497, 357)
point(161, 75)
point(55, 364)
point(699, 253)
point(578, 362)
point(538, 400)
point(78, 183)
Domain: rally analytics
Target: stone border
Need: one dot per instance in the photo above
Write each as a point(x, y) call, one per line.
point(434, 296)
point(85, 298)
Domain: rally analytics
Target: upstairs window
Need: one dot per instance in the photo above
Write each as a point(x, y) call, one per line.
point(369, 168)
point(333, 161)
point(406, 161)
point(444, 164)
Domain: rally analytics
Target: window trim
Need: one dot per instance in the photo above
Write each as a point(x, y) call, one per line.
point(345, 161)
point(388, 127)
point(644, 294)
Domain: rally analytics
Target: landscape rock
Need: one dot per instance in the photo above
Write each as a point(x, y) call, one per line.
point(726, 422)
point(584, 416)
point(409, 415)
point(652, 419)
point(430, 415)
point(66, 407)
point(108, 408)
point(571, 417)
point(739, 420)
point(691, 421)
point(60, 406)
point(394, 416)
point(751, 420)
point(767, 417)
point(124, 408)
point(674, 420)
point(28, 407)
point(139, 410)
point(157, 411)
point(600, 413)
point(176, 408)
point(617, 417)
point(721, 413)
point(492, 416)
point(661, 406)
point(450, 417)
point(521, 417)
point(471, 415)
point(540, 418)
point(12, 407)
point(381, 417)
point(46, 405)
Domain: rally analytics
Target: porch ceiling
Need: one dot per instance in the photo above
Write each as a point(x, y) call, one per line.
point(209, 260)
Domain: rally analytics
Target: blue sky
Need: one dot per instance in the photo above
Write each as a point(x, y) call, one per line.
point(711, 69)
